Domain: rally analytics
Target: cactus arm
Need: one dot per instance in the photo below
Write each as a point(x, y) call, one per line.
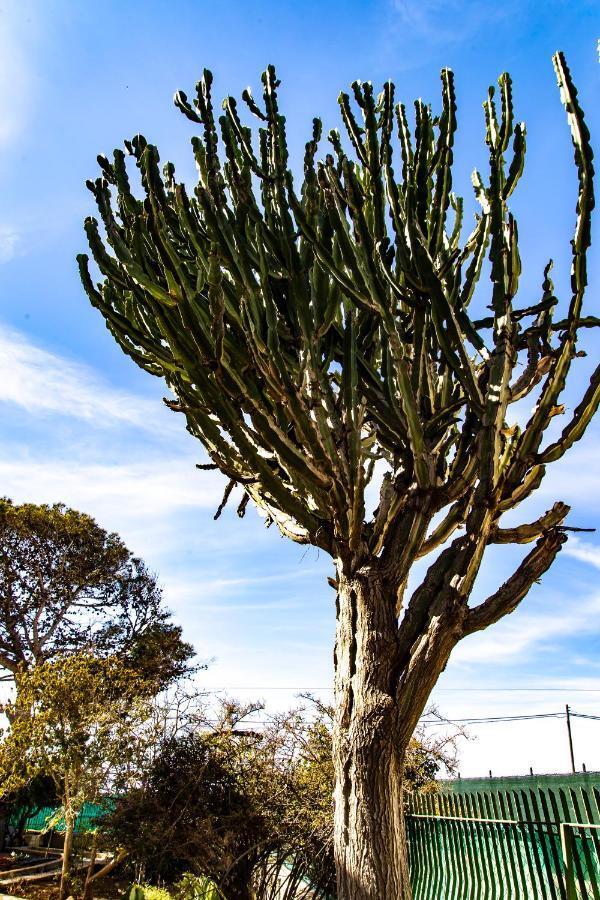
point(576, 428)
point(509, 595)
point(310, 336)
point(355, 133)
point(454, 518)
point(416, 614)
point(518, 161)
point(524, 534)
point(556, 379)
point(584, 322)
point(585, 202)
point(444, 158)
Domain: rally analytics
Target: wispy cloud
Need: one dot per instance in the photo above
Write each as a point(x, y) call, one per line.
point(583, 551)
point(19, 35)
point(10, 238)
point(518, 635)
point(146, 490)
point(43, 382)
point(249, 606)
point(444, 21)
point(242, 583)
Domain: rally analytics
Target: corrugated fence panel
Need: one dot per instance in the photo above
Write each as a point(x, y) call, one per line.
point(495, 845)
point(86, 821)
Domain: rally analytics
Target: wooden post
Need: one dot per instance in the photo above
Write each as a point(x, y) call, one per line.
point(573, 769)
point(566, 843)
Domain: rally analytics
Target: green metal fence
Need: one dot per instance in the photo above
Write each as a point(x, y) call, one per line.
point(522, 844)
point(86, 821)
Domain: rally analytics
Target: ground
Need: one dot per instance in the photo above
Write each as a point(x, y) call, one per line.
point(105, 889)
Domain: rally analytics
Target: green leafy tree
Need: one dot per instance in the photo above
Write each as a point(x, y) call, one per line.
point(75, 720)
point(245, 806)
point(320, 339)
point(66, 585)
point(194, 809)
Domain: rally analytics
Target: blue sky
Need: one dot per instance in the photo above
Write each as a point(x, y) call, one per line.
point(80, 423)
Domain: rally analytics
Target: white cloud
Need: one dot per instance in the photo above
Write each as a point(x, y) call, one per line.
point(517, 635)
point(129, 496)
point(19, 34)
point(443, 21)
point(576, 477)
point(43, 382)
point(9, 242)
point(584, 552)
point(224, 585)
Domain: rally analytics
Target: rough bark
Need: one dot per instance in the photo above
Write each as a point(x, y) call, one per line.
point(88, 888)
point(65, 875)
point(370, 844)
point(107, 869)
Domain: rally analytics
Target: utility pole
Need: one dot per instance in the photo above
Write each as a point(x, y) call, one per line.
point(570, 739)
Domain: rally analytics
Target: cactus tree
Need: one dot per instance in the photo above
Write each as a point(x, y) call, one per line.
point(318, 340)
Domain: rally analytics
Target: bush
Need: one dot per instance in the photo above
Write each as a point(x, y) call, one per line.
point(156, 893)
point(196, 887)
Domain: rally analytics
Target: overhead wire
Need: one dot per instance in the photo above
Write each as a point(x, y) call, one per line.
point(481, 690)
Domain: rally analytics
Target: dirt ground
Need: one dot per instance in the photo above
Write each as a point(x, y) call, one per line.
point(104, 889)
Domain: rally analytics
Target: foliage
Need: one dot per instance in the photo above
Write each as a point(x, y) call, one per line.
point(189, 887)
point(236, 803)
point(72, 720)
point(66, 586)
point(192, 811)
point(29, 799)
point(156, 893)
point(76, 721)
point(196, 887)
point(311, 334)
point(135, 892)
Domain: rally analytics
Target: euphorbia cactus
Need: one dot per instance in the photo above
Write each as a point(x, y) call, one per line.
point(318, 339)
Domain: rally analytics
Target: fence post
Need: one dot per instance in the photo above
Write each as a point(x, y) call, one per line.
point(566, 842)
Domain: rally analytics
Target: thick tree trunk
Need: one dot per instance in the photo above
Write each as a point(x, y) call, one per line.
point(368, 752)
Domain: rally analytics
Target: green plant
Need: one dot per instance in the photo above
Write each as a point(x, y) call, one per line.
point(76, 720)
point(135, 892)
point(156, 893)
point(196, 887)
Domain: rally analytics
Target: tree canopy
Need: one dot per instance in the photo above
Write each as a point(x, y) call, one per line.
point(224, 799)
point(310, 334)
point(67, 585)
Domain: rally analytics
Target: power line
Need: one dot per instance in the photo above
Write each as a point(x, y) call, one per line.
point(516, 718)
point(483, 690)
point(481, 720)
point(564, 690)
point(487, 719)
